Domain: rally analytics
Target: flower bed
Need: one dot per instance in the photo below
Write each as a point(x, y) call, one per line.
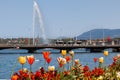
point(74, 71)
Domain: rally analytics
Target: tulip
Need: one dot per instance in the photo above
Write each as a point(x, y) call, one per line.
point(106, 53)
point(71, 53)
point(46, 57)
point(67, 58)
point(115, 59)
point(46, 54)
point(25, 70)
point(14, 77)
point(95, 60)
point(51, 68)
point(118, 55)
point(48, 60)
point(61, 61)
point(22, 60)
point(30, 59)
point(101, 59)
point(63, 52)
point(68, 61)
point(76, 61)
point(100, 78)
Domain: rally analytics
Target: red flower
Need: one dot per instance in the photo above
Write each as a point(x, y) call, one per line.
point(97, 72)
point(46, 57)
point(46, 54)
point(114, 59)
point(86, 68)
point(37, 74)
point(95, 59)
point(20, 72)
point(60, 64)
point(48, 60)
point(67, 58)
point(87, 74)
point(30, 59)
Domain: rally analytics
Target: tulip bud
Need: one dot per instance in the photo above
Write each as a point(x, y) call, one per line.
point(63, 52)
point(101, 59)
point(22, 60)
point(25, 70)
point(51, 68)
point(76, 61)
point(71, 53)
point(106, 53)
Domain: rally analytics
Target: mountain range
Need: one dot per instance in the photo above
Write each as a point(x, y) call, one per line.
point(99, 34)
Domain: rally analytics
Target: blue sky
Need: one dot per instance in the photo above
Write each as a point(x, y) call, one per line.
point(61, 17)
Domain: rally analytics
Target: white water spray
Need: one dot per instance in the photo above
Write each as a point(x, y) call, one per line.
point(36, 11)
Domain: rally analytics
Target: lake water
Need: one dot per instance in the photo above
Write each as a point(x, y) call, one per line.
point(8, 59)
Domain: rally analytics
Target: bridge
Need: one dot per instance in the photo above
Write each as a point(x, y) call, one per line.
point(91, 48)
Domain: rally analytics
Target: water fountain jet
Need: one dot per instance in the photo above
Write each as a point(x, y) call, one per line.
point(37, 13)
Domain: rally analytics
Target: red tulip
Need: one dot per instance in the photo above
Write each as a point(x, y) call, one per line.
point(20, 72)
point(115, 59)
point(30, 59)
point(95, 60)
point(46, 54)
point(67, 58)
point(86, 68)
point(46, 57)
point(48, 60)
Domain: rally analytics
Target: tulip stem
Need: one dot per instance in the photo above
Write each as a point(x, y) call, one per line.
point(30, 72)
point(63, 67)
point(30, 68)
point(68, 66)
point(45, 65)
point(72, 60)
point(22, 67)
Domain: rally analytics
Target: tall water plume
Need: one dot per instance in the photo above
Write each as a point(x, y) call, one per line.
point(37, 16)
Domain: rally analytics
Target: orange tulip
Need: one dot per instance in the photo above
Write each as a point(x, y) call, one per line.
point(14, 77)
point(30, 59)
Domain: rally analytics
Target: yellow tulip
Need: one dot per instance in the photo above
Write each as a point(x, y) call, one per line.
point(100, 78)
point(106, 53)
point(101, 59)
point(51, 68)
point(63, 52)
point(71, 53)
point(22, 60)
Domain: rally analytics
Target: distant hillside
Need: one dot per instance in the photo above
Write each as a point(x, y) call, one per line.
point(99, 33)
